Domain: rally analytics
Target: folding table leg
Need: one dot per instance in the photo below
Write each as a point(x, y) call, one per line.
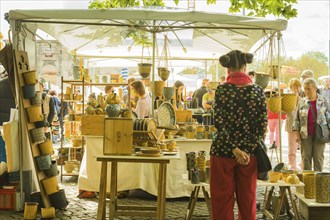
point(113, 191)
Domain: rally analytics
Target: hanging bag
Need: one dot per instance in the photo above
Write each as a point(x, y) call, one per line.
point(10, 136)
point(322, 131)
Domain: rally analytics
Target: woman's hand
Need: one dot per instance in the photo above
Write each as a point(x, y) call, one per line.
point(242, 157)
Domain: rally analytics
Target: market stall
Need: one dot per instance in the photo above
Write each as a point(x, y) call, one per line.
point(105, 33)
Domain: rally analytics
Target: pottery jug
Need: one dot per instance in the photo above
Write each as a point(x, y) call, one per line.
point(112, 110)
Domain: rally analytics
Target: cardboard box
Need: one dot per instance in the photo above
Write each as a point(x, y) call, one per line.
point(92, 125)
point(118, 136)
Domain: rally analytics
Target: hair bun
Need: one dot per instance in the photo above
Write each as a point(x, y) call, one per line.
point(249, 57)
point(224, 60)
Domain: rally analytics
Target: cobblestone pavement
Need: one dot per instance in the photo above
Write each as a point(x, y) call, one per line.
point(87, 208)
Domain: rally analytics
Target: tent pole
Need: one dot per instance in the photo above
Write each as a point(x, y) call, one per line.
point(279, 35)
point(153, 71)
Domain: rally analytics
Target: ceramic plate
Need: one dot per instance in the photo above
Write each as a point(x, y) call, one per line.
point(166, 115)
point(150, 125)
point(170, 152)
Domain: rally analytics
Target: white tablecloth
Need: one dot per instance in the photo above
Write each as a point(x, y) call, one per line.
point(139, 175)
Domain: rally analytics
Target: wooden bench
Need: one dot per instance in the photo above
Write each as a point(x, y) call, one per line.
point(310, 209)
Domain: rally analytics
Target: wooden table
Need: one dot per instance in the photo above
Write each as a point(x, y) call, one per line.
point(284, 188)
point(310, 209)
point(117, 210)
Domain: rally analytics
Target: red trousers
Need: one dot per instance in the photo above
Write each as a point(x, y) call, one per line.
point(228, 178)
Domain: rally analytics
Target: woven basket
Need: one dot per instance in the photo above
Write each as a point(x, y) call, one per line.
point(289, 102)
point(34, 113)
point(274, 104)
point(261, 79)
point(38, 135)
point(144, 69)
point(163, 73)
point(46, 147)
point(159, 86)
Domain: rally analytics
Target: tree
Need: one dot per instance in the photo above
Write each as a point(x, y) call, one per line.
point(261, 8)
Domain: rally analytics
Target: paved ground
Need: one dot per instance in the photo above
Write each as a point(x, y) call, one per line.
point(175, 208)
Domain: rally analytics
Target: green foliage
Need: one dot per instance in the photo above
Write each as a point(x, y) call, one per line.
point(262, 8)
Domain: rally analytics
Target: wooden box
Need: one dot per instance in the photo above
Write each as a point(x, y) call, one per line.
point(183, 115)
point(118, 136)
point(92, 125)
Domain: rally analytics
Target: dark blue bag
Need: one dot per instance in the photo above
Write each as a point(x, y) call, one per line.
point(3, 156)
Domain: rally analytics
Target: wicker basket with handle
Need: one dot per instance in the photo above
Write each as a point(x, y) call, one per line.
point(289, 102)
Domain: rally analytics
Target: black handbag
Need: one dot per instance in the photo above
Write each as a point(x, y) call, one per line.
point(322, 133)
point(263, 161)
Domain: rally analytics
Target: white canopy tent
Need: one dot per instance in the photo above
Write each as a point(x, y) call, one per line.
point(104, 33)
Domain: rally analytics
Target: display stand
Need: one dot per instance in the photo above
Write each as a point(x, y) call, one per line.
point(22, 65)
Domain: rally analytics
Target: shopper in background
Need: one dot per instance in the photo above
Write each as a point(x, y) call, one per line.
point(304, 125)
point(48, 105)
point(274, 126)
point(222, 80)
point(325, 91)
point(143, 105)
point(57, 117)
point(307, 74)
point(198, 94)
point(251, 75)
point(295, 87)
point(241, 120)
point(108, 90)
point(133, 98)
point(208, 98)
point(178, 94)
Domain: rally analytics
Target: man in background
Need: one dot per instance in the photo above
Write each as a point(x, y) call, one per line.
point(198, 94)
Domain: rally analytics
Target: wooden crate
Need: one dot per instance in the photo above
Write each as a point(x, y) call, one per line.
point(92, 125)
point(183, 115)
point(118, 136)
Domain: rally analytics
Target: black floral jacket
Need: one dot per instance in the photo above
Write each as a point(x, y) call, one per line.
point(240, 117)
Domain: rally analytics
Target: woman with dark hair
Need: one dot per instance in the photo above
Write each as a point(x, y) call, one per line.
point(178, 95)
point(241, 120)
point(143, 105)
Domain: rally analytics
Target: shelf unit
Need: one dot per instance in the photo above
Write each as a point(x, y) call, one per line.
point(72, 127)
point(75, 125)
point(22, 65)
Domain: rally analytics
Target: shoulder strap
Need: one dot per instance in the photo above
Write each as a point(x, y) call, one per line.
point(312, 110)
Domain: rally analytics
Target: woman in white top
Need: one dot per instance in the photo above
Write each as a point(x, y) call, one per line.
point(143, 105)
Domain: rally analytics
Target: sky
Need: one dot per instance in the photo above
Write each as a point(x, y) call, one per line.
point(308, 32)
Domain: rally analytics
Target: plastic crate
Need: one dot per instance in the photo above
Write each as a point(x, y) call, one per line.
point(7, 199)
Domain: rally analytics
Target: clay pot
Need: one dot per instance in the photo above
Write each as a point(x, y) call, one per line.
point(30, 210)
point(28, 91)
point(44, 162)
point(59, 200)
point(274, 177)
point(168, 92)
point(261, 79)
point(309, 181)
point(53, 170)
point(46, 147)
point(163, 73)
point(48, 213)
point(322, 187)
point(144, 69)
point(36, 197)
point(112, 110)
point(36, 99)
point(38, 135)
point(34, 113)
point(30, 77)
point(50, 185)
point(69, 167)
